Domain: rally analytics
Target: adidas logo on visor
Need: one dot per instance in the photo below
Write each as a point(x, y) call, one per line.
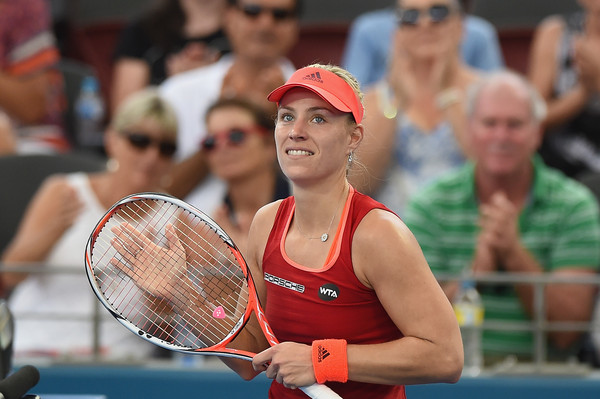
point(314, 76)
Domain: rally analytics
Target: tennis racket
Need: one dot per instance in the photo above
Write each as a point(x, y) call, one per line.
point(172, 276)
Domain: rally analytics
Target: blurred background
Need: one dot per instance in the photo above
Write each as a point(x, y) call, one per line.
point(500, 12)
point(87, 30)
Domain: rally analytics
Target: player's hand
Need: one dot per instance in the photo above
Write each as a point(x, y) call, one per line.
point(288, 363)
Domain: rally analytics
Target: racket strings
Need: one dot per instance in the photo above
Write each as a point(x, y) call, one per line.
point(212, 270)
point(143, 325)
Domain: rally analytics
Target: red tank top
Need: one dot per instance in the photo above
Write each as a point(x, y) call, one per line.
point(305, 304)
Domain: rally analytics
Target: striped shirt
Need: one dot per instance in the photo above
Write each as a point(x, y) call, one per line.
point(559, 226)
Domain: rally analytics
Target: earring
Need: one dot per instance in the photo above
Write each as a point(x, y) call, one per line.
point(350, 157)
point(112, 165)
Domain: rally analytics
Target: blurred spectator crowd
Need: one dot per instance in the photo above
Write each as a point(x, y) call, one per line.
point(174, 100)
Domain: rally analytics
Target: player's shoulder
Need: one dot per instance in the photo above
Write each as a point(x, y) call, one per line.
point(264, 218)
point(379, 227)
point(269, 210)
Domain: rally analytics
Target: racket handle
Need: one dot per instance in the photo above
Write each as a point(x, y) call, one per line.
point(319, 391)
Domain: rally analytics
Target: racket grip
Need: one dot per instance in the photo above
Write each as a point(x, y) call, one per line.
point(319, 391)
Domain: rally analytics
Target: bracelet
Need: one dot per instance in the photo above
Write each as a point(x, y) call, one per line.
point(330, 360)
point(448, 97)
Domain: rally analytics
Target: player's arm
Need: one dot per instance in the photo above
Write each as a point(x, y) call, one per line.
point(388, 259)
point(251, 338)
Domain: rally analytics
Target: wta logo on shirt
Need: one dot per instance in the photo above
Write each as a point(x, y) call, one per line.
point(290, 285)
point(329, 292)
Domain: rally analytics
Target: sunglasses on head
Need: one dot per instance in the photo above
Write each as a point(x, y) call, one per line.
point(410, 16)
point(278, 13)
point(232, 137)
point(166, 148)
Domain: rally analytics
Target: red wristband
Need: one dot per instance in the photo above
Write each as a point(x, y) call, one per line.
point(330, 360)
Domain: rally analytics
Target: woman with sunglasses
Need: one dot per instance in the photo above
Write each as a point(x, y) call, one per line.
point(415, 129)
point(140, 142)
point(371, 317)
point(240, 150)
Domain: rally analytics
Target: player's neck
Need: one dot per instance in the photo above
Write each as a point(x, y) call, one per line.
point(314, 207)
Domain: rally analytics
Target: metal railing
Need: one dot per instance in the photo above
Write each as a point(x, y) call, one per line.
point(538, 325)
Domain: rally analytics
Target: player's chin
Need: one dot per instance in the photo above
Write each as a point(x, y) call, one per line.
point(297, 172)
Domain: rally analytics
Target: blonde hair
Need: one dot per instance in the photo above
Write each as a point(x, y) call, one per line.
point(143, 105)
point(344, 74)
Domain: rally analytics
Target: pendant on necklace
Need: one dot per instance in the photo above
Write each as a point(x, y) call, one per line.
point(324, 237)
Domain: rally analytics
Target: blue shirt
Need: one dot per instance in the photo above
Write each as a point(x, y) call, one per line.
point(370, 38)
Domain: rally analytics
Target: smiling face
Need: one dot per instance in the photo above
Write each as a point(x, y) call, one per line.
point(138, 152)
point(435, 27)
point(313, 138)
point(503, 130)
point(241, 147)
point(257, 31)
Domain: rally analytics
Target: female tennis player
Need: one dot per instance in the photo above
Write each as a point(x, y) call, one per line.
point(346, 288)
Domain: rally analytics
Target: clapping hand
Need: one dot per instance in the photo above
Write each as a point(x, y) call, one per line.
point(147, 263)
point(499, 234)
point(192, 56)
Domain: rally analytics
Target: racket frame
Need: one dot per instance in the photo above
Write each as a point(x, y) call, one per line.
point(253, 301)
point(315, 391)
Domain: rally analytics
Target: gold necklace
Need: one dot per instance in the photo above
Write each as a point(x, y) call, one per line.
point(323, 237)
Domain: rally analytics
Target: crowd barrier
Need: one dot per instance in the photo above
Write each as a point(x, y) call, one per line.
point(118, 382)
point(211, 379)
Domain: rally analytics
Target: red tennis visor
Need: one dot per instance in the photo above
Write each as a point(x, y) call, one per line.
point(329, 86)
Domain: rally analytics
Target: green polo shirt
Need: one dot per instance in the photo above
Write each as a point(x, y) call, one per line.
point(559, 226)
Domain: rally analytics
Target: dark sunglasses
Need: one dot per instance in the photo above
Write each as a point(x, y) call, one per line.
point(278, 14)
point(232, 137)
point(411, 16)
point(166, 148)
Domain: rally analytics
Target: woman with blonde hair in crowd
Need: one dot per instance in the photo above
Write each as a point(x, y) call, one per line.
point(414, 127)
point(140, 142)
